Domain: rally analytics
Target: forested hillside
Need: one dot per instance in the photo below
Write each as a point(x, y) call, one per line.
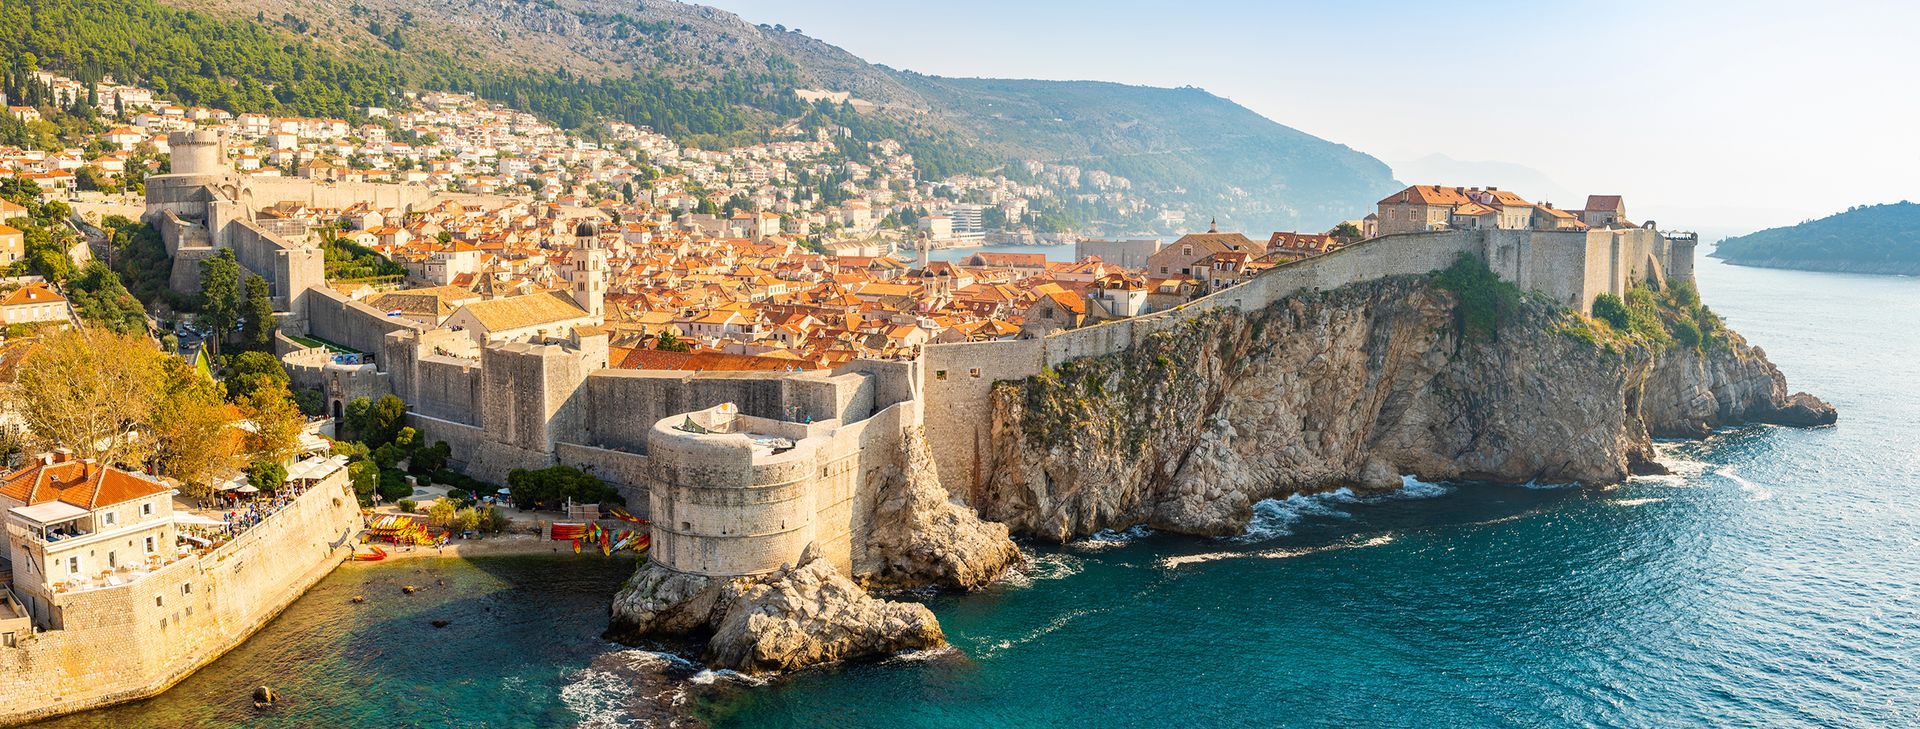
point(700, 75)
point(1868, 239)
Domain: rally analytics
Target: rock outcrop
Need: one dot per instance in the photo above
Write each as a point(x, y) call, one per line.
point(1352, 388)
point(812, 614)
point(799, 616)
point(919, 537)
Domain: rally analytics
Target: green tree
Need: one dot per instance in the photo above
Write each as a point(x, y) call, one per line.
point(249, 371)
point(670, 342)
point(267, 476)
point(220, 295)
point(100, 299)
point(257, 315)
point(366, 480)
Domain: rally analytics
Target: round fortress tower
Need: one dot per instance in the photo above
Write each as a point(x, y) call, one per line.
point(731, 495)
point(196, 153)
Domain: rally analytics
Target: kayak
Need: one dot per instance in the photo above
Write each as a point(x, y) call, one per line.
point(377, 555)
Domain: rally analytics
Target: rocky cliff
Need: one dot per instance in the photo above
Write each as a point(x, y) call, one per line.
point(1356, 386)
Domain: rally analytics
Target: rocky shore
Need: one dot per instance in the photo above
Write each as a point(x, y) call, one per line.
point(1353, 388)
point(1185, 432)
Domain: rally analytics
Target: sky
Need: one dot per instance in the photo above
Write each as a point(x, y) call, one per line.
point(1723, 115)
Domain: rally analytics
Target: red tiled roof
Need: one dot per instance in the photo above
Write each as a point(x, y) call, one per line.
point(82, 484)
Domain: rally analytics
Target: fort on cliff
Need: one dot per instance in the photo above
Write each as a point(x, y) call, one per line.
point(744, 490)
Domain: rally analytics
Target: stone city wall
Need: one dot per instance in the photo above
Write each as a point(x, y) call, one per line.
point(1572, 267)
point(332, 316)
point(125, 643)
point(723, 505)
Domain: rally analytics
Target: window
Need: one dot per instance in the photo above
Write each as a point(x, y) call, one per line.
point(940, 374)
point(146, 509)
point(73, 565)
point(149, 545)
point(158, 601)
point(109, 518)
point(974, 373)
point(186, 588)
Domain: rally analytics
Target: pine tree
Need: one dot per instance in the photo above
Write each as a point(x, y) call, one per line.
point(219, 295)
point(258, 315)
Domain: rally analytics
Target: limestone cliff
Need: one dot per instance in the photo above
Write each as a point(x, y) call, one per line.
point(1353, 387)
point(920, 537)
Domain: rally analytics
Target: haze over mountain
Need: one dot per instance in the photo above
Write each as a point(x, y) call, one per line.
point(1182, 145)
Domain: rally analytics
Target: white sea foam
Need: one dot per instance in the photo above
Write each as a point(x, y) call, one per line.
point(1536, 485)
point(1755, 492)
point(921, 656)
point(1635, 502)
point(1059, 621)
point(601, 697)
point(708, 677)
point(1280, 553)
point(1039, 568)
point(1109, 538)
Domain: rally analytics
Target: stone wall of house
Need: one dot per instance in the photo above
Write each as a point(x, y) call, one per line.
point(125, 643)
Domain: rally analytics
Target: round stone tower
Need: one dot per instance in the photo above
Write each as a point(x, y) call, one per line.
point(196, 153)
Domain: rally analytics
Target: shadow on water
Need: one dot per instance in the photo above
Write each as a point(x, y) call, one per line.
point(517, 627)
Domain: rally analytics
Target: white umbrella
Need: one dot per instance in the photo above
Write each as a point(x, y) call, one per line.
point(504, 492)
point(248, 489)
point(196, 520)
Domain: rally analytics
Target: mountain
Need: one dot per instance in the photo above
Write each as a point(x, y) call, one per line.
point(1186, 144)
point(1867, 239)
point(703, 76)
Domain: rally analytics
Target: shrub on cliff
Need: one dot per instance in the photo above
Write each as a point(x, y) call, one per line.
point(1484, 302)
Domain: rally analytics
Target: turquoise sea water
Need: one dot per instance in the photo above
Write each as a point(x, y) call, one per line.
point(1773, 581)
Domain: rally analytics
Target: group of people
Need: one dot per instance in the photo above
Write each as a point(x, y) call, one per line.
point(249, 514)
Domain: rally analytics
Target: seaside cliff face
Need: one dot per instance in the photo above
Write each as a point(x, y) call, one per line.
point(1352, 388)
point(808, 613)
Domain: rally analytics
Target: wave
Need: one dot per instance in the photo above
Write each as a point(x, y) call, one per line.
point(1755, 492)
point(1109, 538)
point(1058, 622)
point(924, 655)
point(603, 694)
point(1635, 502)
point(1281, 553)
point(1537, 486)
point(1277, 517)
point(1042, 567)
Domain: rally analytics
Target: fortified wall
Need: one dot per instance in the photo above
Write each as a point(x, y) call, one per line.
point(734, 495)
point(129, 642)
point(1570, 267)
point(202, 206)
point(533, 405)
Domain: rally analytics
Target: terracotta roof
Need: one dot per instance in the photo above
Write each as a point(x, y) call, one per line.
point(82, 484)
point(31, 294)
point(1427, 195)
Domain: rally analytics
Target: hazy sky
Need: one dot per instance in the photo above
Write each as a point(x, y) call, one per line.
point(1725, 114)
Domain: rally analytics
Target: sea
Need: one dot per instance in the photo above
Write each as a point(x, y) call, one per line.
point(1773, 580)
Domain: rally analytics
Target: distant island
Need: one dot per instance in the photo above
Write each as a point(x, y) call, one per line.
point(1867, 239)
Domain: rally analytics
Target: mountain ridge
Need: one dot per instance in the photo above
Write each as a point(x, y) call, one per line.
point(573, 59)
